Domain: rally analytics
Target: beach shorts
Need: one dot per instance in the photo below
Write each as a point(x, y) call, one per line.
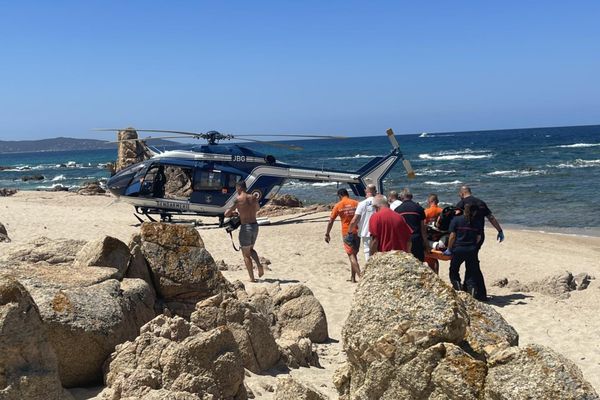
point(352, 247)
point(248, 234)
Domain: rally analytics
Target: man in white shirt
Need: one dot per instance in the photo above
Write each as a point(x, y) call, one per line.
point(393, 198)
point(361, 218)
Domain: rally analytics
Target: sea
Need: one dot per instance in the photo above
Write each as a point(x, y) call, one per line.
point(547, 179)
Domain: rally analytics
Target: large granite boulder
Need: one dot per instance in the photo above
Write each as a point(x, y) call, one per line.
point(182, 270)
point(409, 335)
point(288, 388)
point(28, 364)
point(250, 329)
point(93, 188)
point(85, 309)
point(3, 234)
point(104, 252)
point(173, 359)
point(535, 372)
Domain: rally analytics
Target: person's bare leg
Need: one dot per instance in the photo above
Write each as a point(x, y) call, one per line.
point(354, 267)
point(246, 252)
point(256, 258)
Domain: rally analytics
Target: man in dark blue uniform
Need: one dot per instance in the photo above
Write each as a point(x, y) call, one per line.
point(414, 215)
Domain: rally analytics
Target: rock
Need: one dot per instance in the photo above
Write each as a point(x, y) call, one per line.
point(250, 329)
point(91, 189)
point(56, 188)
point(172, 359)
point(535, 372)
point(4, 192)
point(178, 183)
point(44, 250)
point(288, 388)
point(130, 151)
point(555, 285)
point(286, 200)
point(138, 267)
point(299, 314)
point(409, 335)
point(500, 282)
point(104, 252)
point(86, 323)
point(298, 352)
point(27, 178)
point(487, 331)
point(581, 280)
point(28, 364)
point(182, 270)
point(3, 234)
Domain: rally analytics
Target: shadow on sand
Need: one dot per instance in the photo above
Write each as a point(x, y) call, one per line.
point(508, 299)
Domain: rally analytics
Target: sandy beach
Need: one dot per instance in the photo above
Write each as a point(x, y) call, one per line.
point(298, 253)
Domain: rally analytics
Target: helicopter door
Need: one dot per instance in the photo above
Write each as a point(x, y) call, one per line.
point(213, 187)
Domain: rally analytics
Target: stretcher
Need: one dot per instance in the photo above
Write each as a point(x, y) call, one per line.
point(438, 255)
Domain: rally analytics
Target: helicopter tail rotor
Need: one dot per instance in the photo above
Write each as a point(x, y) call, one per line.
point(409, 169)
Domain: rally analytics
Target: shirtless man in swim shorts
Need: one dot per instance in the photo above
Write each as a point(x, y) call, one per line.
point(247, 206)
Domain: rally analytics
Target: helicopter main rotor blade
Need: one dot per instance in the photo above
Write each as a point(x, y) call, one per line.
point(196, 134)
point(147, 138)
point(294, 135)
point(281, 145)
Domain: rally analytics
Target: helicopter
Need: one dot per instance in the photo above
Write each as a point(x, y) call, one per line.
point(214, 169)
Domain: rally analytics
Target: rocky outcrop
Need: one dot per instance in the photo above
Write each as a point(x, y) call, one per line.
point(130, 151)
point(173, 359)
point(286, 200)
point(288, 388)
point(182, 270)
point(409, 335)
point(3, 234)
point(28, 364)
point(27, 178)
point(178, 183)
point(4, 192)
point(558, 285)
point(250, 329)
point(85, 309)
point(299, 314)
point(91, 189)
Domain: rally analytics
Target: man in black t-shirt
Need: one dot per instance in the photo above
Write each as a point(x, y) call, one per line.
point(483, 212)
point(414, 215)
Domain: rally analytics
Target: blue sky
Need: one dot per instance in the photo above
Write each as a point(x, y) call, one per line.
point(334, 67)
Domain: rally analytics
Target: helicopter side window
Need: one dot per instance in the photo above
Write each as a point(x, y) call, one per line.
point(207, 180)
point(232, 180)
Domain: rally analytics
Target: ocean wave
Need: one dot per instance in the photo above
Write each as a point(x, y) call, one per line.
point(434, 172)
point(578, 145)
point(355, 157)
point(513, 173)
point(58, 178)
point(578, 163)
point(450, 157)
point(323, 184)
point(434, 183)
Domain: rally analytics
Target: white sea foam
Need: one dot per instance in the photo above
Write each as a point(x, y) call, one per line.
point(449, 157)
point(434, 172)
point(323, 184)
point(578, 145)
point(355, 157)
point(513, 173)
point(424, 134)
point(434, 183)
point(59, 178)
point(578, 163)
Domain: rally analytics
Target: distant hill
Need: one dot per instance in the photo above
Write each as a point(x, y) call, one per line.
point(65, 144)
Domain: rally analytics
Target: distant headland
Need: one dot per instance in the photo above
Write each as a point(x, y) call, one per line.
point(64, 144)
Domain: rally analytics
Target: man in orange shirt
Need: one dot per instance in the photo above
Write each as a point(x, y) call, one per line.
point(345, 209)
point(431, 215)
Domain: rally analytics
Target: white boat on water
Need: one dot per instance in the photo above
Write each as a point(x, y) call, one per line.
point(424, 134)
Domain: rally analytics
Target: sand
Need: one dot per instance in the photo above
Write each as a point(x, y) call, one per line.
point(298, 253)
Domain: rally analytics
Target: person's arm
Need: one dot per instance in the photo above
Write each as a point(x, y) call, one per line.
point(373, 245)
point(231, 211)
point(496, 225)
point(424, 237)
point(329, 226)
point(451, 240)
point(354, 223)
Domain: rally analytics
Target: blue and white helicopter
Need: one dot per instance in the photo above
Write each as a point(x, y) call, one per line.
point(215, 169)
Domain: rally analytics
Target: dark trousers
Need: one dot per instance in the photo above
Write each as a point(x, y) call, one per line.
point(417, 248)
point(474, 282)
